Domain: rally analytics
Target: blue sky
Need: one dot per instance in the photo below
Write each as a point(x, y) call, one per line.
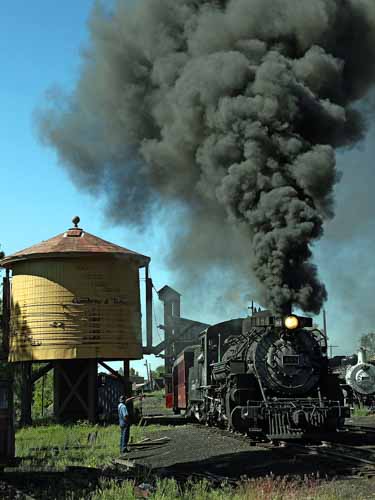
point(40, 44)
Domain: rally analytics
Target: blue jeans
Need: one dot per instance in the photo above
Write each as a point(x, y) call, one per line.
point(124, 437)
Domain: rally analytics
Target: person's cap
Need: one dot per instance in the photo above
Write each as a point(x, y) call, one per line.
point(121, 399)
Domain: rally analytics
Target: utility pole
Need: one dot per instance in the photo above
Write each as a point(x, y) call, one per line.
point(251, 308)
point(325, 325)
point(148, 376)
point(331, 347)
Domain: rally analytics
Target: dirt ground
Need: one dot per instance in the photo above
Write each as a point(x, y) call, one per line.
point(195, 449)
point(368, 421)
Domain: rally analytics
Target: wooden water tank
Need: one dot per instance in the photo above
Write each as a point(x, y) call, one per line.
point(75, 296)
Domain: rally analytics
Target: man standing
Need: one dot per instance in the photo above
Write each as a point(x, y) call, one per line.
point(125, 421)
point(123, 417)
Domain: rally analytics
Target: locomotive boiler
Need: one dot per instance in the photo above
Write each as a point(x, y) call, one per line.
point(264, 375)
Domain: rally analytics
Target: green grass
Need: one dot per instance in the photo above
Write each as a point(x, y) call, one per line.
point(157, 394)
point(154, 402)
point(60, 454)
point(257, 489)
point(61, 441)
point(361, 412)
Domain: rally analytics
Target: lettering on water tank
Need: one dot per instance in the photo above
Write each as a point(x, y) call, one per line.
point(85, 300)
point(104, 301)
point(57, 324)
point(119, 300)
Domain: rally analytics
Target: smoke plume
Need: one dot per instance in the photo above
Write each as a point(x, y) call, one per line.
point(230, 110)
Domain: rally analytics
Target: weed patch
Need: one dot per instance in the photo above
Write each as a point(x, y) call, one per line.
point(269, 488)
point(54, 447)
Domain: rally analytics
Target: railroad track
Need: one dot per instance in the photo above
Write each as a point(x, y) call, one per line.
point(224, 432)
point(180, 420)
point(356, 459)
point(240, 436)
point(360, 428)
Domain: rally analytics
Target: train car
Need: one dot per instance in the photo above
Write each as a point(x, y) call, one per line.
point(265, 375)
point(180, 378)
point(7, 436)
point(110, 388)
point(168, 390)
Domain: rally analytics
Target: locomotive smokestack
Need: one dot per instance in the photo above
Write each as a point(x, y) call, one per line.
point(228, 114)
point(287, 310)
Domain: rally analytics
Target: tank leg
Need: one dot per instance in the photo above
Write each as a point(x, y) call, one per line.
point(26, 393)
point(128, 390)
point(92, 390)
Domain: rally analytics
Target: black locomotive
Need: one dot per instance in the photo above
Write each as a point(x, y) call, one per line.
point(357, 378)
point(266, 376)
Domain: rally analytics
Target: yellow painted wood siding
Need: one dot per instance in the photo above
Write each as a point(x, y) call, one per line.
point(75, 308)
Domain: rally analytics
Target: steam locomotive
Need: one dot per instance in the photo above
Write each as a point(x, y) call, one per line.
point(357, 377)
point(265, 375)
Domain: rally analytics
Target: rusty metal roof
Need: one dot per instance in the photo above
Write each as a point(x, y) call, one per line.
point(73, 243)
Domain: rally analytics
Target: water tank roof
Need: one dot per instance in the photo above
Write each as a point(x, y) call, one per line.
point(73, 243)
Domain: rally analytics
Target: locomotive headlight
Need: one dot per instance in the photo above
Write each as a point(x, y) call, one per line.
point(291, 322)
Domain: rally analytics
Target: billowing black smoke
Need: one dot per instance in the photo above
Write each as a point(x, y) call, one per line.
point(231, 109)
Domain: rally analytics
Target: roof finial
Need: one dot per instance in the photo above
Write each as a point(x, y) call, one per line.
point(76, 220)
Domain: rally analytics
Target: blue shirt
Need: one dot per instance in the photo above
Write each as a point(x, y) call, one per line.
point(122, 413)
